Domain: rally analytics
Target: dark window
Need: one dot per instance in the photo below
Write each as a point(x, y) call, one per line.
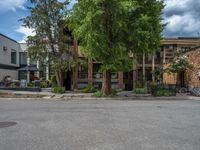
point(13, 57)
point(83, 72)
point(23, 58)
point(22, 75)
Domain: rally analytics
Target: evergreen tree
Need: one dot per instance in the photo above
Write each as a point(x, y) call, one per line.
point(144, 24)
point(52, 41)
point(110, 30)
point(99, 25)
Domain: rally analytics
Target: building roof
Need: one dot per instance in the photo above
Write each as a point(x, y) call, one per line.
point(181, 41)
point(8, 38)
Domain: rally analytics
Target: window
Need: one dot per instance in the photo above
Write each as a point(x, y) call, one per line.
point(23, 58)
point(13, 57)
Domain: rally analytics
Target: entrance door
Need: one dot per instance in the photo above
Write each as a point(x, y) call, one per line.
point(128, 80)
point(182, 79)
point(67, 82)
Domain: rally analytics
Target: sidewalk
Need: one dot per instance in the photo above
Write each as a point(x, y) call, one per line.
point(124, 95)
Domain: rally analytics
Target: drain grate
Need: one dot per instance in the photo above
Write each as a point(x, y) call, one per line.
point(7, 124)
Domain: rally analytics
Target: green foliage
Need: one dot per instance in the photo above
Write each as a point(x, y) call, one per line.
point(45, 84)
point(113, 93)
point(140, 91)
point(98, 94)
point(52, 42)
point(164, 92)
point(58, 90)
point(101, 94)
point(13, 85)
point(109, 30)
point(88, 89)
point(144, 25)
point(180, 65)
point(99, 26)
point(53, 81)
point(30, 84)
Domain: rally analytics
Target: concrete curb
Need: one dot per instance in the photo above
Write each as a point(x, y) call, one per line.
point(82, 96)
point(109, 98)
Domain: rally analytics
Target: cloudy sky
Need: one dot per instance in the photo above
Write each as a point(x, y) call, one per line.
point(182, 18)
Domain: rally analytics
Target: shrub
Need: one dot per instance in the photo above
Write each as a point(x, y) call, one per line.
point(88, 89)
point(59, 90)
point(140, 91)
point(45, 84)
point(30, 84)
point(159, 93)
point(167, 93)
point(13, 85)
point(164, 92)
point(98, 94)
point(113, 93)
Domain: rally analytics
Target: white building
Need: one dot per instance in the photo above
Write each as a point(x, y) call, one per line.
point(9, 57)
point(13, 56)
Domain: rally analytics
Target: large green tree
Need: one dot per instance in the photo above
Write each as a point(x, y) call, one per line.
point(144, 24)
point(52, 41)
point(98, 24)
point(110, 30)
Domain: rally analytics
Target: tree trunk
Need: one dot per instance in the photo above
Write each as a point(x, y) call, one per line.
point(59, 77)
point(106, 88)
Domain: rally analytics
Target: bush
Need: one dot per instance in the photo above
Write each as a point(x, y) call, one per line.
point(59, 90)
point(30, 84)
point(88, 89)
point(98, 94)
point(164, 92)
point(140, 91)
point(13, 85)
point(45, 84)
point(113, 93)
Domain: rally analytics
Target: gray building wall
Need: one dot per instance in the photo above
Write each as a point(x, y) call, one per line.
point(6, 67)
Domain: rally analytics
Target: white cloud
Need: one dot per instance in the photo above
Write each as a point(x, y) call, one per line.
point(26, 32)
point(6, 5)
point(182, 17)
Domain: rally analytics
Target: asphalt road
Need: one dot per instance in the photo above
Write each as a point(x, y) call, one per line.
point(100, 125)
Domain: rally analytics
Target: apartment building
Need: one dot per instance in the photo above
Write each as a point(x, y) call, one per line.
point(13, 56)
point(146, 68)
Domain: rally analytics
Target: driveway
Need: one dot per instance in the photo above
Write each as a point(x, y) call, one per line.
point(100, 125)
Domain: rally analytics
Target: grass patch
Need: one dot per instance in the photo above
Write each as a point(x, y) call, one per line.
point(58, 90)
point(88, 89)
point(100, 93)
point(140, 91)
